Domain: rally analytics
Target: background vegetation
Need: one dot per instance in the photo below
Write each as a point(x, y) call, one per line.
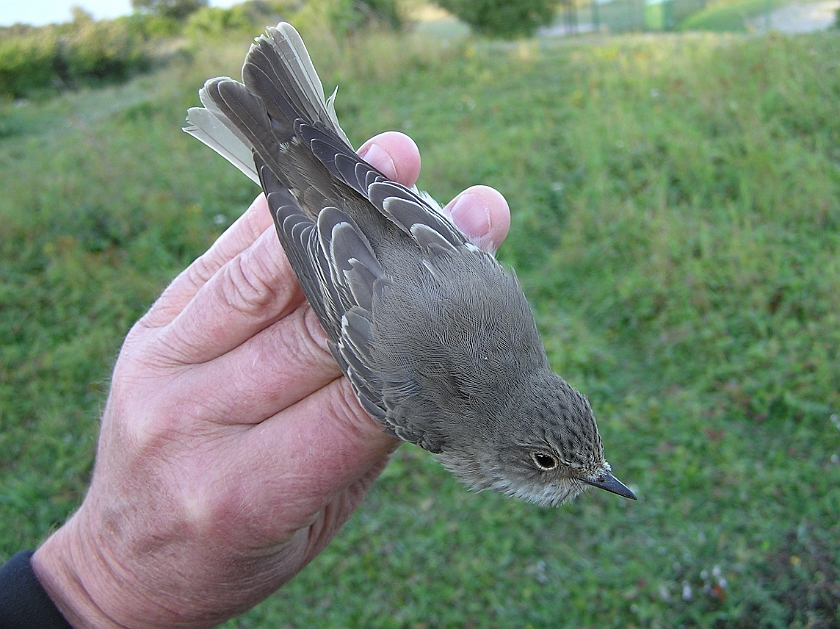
point(34, 61)
point(40, 62)
point(676, 226)
point(501, 17)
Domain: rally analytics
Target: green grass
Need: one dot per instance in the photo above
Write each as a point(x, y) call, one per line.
point(676, 226)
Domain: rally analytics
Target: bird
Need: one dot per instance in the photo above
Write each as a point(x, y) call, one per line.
point(435, 337)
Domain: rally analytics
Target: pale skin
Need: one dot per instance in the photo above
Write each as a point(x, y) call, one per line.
point(232, 450)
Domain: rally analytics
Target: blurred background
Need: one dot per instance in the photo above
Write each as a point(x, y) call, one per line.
point(673, 170)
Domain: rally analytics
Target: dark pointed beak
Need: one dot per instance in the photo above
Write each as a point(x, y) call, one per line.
point(609, 482)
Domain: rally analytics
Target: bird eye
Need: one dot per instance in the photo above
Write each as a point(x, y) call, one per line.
point(544, 461)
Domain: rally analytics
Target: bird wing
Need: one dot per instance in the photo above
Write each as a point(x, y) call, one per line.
point(327, 203)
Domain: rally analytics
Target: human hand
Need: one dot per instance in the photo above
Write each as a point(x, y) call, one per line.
point(232, 450)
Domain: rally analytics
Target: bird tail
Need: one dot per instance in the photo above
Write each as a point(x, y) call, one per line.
point(279, 68)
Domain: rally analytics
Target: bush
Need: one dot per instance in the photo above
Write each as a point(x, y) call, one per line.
point(347, 16)
point(250, 17)
point(502, 18)
point(27, 64)
point(173, 9)
point(104, 50)
point(148, 26)
point(38, 60)
point(215, 21)
point(356, 14)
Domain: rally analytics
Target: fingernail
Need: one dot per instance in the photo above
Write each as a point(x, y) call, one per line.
point(377, 157)
point(471, 216)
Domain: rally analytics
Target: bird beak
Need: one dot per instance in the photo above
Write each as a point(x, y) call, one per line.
point(609, 482)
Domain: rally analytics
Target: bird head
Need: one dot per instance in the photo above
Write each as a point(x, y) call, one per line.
point(546, 448)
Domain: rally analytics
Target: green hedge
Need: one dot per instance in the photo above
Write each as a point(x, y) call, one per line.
point(502, 18)
point(41, 60)
point(27, 63)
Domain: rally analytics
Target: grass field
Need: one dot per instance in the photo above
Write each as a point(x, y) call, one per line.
point(676, 226)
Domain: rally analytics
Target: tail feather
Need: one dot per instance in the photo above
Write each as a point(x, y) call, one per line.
point(206, 126)
point(279, 59)
point(294, 59)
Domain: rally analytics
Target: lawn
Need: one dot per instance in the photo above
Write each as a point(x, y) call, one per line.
point(676, 227)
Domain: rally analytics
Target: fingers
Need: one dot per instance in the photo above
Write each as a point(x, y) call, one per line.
point(480, 212)
point(393, 154)
point(277, 368)
point(483, 215)
point(238, 237)
point(246, 295)
point(323, 444)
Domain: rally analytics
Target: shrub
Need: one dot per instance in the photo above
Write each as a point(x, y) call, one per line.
point(347, 16)
point(250, 17)
point(38, 60)
point(107, 49)
point(363, 13)
point(27, 63)
point(174, 9)
point(148, 26)
point(216, 21)
point(502, 18)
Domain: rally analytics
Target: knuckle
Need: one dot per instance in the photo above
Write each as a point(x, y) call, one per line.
point(248, 284)
point(296, 346)
point(313, 337)
point(163, 428)
point(200, 271)
point(354, 419)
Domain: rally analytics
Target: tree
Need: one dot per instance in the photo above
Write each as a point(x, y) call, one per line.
point(175, 9)
point(502, 18)
point(80, 16)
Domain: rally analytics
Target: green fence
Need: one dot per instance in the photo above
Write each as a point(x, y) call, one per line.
point(618, 16)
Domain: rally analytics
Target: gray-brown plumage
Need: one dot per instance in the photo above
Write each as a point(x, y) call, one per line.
point(435, 337)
